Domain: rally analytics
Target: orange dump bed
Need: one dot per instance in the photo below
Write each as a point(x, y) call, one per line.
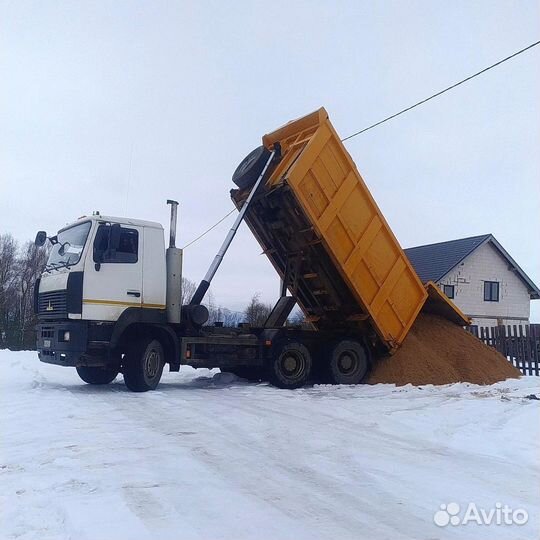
point(325, 235)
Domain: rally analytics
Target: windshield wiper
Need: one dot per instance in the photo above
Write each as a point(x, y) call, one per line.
point(65, 264)
point(50, 266)
point(57, 266)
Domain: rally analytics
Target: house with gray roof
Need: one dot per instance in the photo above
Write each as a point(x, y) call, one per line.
point(480, 276)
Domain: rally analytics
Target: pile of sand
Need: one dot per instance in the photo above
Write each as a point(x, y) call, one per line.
point(437, 351)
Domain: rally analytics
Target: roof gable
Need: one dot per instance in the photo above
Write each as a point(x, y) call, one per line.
point(434, 261)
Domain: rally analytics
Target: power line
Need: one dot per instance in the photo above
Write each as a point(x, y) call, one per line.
point(441, 92)
point(394, 116)
point(208, 230)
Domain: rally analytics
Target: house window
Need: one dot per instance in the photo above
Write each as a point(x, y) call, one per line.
point(448, 290)
point(491, 291)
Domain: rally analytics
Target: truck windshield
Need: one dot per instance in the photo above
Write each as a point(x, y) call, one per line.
point(70, 245)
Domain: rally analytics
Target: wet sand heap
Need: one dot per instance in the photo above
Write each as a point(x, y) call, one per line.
point(437, 351)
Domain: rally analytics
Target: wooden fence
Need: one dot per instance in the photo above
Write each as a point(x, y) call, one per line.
point(520, 344)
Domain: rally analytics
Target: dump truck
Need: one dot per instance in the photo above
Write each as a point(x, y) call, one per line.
point(109, 300)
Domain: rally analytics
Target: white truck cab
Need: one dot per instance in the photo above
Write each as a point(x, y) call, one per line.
point(104, 281)
point(101, 270)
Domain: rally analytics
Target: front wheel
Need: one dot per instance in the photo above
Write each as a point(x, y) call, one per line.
point(143, 365)
point(290, 366)
point(96, 375)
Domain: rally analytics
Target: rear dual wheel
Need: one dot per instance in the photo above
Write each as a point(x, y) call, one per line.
point(346, 363)
point(290, 365)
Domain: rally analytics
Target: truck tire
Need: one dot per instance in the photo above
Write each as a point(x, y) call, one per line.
point(143, 365)
point(348, 363)
point(251, 167)
point(96, 375)
point(290, 365)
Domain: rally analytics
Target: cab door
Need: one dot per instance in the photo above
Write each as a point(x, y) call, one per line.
point(113, 272)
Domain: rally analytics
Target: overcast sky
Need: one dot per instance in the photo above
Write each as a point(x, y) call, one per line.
point(116, 106)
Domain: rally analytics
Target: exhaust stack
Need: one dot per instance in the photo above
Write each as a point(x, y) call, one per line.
point(173, 260)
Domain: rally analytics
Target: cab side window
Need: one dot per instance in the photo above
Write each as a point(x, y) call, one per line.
point(125, 252)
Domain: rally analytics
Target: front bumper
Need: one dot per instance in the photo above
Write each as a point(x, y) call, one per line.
point(53, 348)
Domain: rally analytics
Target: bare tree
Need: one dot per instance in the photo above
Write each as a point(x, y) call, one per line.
point(8, 259)
point(214, 311)
point(256, 311)
point(232, 318)
point(30, 266)
point(19, 271)
point(188, 290)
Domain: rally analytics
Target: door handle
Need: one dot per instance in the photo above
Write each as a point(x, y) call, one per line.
point(137, 294)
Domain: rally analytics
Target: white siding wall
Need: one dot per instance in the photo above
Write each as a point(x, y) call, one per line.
point(486, 264)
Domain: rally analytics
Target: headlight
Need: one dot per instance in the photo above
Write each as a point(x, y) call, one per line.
point(66, 335)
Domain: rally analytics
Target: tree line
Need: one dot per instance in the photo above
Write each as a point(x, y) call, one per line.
point(22, 264)
point(254, 314)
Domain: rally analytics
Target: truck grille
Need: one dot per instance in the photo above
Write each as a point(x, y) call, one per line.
point(47, 332)
point(52, 305)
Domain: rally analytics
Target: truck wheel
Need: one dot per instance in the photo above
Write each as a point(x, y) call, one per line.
point(251, 167)
point(143, 365)
point(290, 366)
point(348, 364)
point(96, 375)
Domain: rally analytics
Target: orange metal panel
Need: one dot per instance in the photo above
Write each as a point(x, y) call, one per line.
point(440, 304)
point(338, 204)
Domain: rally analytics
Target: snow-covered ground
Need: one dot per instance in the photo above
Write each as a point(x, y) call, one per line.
point(208, 456)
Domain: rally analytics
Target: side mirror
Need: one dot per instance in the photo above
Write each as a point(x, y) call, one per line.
point(114, 238)
point(41, 238)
